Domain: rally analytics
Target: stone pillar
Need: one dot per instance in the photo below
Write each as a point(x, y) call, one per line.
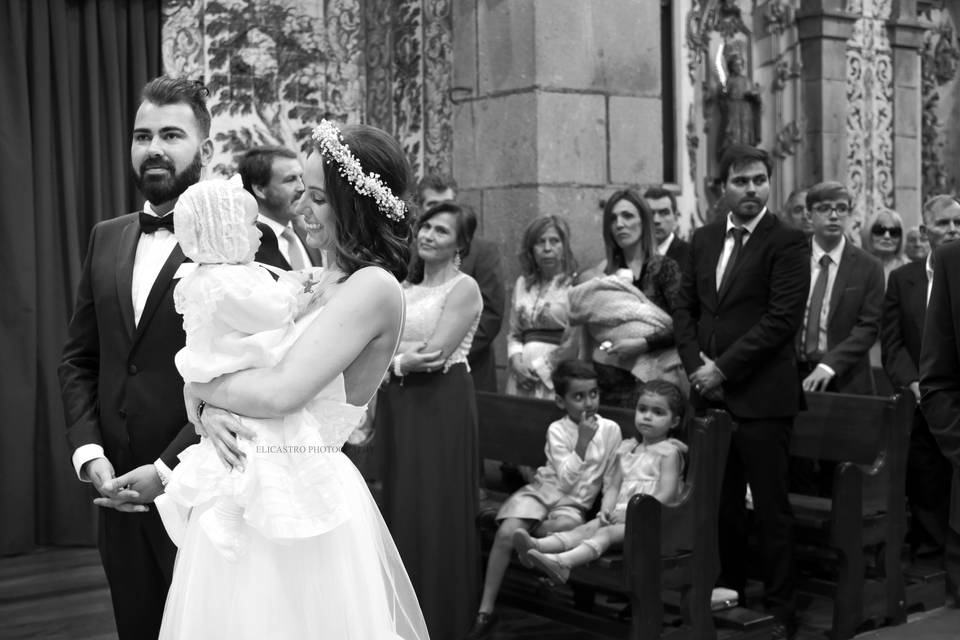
point(823, 29)
point(557, 103)
point(906, 40)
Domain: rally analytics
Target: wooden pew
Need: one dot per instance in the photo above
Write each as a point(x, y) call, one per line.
point(866, 514)
point(671, 549)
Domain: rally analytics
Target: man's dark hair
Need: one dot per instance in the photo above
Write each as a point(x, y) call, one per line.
point(435, 182)
point(164, 90)
point(655, 193)
point(827, 191)
point(738, 155)
point(256, 165)
point(567, 371)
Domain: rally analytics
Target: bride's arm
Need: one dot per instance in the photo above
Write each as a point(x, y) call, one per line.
point(346, 325)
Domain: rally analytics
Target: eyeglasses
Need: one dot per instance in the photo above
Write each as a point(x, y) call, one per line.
point(879, 230)
point(823, 208)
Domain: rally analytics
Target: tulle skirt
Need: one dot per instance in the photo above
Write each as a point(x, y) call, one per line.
point(346, 584)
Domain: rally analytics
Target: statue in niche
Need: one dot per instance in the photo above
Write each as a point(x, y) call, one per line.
point(740, 103)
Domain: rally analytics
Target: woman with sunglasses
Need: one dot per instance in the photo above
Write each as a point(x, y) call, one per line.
point(883, 238)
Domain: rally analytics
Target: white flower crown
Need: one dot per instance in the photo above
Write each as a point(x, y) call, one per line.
point(333, 148)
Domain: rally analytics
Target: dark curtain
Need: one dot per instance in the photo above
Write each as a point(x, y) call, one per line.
point(70, 76)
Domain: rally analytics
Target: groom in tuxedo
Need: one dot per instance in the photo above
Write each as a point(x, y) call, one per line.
point(122, 394)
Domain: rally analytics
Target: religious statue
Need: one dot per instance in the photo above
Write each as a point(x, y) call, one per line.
point(739, 102)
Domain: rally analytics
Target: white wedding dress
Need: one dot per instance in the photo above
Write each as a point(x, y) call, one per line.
point(347, 583)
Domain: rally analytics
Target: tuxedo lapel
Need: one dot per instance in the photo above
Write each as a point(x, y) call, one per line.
point(126, 254)
point(269, 251)
point(160, 286)
point(848, 264)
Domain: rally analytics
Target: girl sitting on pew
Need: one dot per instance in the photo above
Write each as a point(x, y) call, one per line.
point(653, 466)
point(581, 455)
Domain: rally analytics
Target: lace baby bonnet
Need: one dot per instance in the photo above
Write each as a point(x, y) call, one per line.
point(210, 222)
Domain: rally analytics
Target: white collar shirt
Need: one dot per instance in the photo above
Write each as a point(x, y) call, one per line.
point(664, 246)
point(153, 249)
point(283, 243)
point(728, 241)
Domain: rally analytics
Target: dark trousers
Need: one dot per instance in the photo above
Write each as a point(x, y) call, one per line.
point(759, 454)
point(138, 559)
point(928, 489)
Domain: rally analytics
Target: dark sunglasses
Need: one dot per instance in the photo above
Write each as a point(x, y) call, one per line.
point(879, 230)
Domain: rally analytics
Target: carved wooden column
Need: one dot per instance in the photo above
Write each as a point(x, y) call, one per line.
point(906, 40)
point(823, 29)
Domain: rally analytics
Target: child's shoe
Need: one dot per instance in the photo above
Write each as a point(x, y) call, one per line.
point(524, 542)
point(558, 572)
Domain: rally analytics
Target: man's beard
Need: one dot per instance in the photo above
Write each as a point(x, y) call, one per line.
point(160, 189)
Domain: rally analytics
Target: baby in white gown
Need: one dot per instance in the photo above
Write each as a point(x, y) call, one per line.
point(237, 314)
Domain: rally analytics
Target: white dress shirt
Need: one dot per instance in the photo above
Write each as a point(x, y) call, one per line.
point(929, 267)
point(285, 246)
point(153, 249)
point(664, 246)
point(728, 241)
point(835, 255)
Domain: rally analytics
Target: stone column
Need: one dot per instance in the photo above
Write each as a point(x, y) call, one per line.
point(823, 29)
point(906, 40)
point(558, 103)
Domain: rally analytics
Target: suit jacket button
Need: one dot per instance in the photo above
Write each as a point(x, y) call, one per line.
point(132, 369)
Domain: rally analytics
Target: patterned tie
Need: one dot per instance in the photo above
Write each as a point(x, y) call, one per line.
point(811, 335)
point(737, 233)
point(293, 249)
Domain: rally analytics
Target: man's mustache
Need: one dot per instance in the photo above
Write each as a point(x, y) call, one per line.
point(146, 165)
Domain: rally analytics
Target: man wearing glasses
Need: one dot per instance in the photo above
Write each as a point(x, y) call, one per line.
point(842, 317)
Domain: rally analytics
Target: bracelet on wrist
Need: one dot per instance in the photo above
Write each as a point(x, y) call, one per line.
point(397, 369)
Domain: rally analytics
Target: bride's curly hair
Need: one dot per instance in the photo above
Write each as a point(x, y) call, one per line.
point(365, 236)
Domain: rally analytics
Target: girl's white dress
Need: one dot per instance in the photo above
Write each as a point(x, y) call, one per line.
point(317, 559)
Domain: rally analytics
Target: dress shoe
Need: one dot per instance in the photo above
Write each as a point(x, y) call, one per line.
point(483, 625)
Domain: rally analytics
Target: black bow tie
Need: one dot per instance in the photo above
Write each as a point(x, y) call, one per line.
point(149, 223)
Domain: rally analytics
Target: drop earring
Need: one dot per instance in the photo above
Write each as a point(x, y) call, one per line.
point(457, 261)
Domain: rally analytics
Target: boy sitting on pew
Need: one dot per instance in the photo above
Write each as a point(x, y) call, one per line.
point(652, 466)
point(581, 454)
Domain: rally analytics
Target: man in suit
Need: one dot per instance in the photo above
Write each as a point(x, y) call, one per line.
point(740, 307)
point(842, 317)
point(482, 264)
point(940, 388)
point(904, 311)
point(663, 203)
point(274, 177)
point(122, 394)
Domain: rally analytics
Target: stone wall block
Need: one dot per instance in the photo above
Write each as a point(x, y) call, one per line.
point(505, 140)
point(636, 140)
point(465, 160)
point(465, 37)
point(613, 46)
point(506, 45)
point(571, 138)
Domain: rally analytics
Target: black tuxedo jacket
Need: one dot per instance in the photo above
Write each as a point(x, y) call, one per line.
point(853, 320)
point(119, 384)
point(904, 312)
point(269, 251)
point(482, 263)
point(940, 364)
point(749, 327)
point(679, 250)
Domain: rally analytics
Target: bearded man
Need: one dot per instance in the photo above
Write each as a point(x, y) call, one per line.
point(122, 394)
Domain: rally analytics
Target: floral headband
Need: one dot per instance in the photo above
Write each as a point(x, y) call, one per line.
point(332, 147)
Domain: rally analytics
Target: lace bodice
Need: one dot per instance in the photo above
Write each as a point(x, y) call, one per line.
point(424, 306)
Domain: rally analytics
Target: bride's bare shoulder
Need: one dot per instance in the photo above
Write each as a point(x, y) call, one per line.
point(377, 286)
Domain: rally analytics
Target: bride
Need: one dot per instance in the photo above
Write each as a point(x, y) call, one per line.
point(349, 582)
